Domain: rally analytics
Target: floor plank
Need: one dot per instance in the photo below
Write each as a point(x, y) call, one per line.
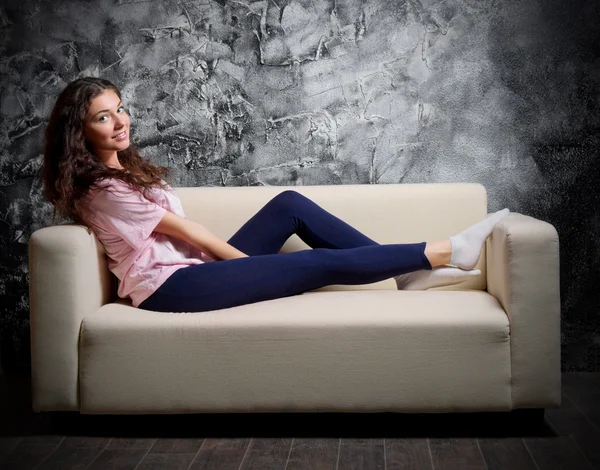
point(70, 458)
point(7, 445)
point(74, 453)
point(407, 453)
point(132, 443)
point(220, 454)
point(166, 462)
point(267, 454)
point(361, 442)
point(117, 459)
point(569, 421)
point(456, 454)
point(314, 453)
point(176, 446)
point(30, 452)
point(500, 454)
point(357, 456)
point(557, 453)
point(587, 400)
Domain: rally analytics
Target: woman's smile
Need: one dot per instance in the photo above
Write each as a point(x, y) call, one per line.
point(122, 136)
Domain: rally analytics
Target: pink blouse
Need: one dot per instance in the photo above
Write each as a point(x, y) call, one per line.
point(124, 221)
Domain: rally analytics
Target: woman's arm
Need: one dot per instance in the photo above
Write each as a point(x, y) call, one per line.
point(198, 236)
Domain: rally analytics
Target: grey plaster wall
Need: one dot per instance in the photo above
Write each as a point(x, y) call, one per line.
point(302, 92)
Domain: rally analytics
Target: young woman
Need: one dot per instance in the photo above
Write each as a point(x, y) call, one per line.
point(165, 262)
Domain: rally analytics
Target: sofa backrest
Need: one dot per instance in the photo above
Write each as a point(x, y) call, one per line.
point(386, 213)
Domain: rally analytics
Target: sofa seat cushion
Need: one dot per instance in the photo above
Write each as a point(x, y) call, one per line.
point(404, 351)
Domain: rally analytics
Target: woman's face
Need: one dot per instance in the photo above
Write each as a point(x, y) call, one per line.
point(106, 126)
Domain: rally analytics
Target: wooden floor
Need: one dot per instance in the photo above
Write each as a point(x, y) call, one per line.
point(567, 438)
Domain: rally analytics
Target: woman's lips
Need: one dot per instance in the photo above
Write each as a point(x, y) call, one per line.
point(121, 136)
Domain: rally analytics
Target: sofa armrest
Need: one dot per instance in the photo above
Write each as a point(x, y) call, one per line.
point(523, 274)
point(68, 279)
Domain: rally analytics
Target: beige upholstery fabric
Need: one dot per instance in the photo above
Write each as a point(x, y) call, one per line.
point(337, 348)
point(321, 351)
point(524, 275)
point(68, 279)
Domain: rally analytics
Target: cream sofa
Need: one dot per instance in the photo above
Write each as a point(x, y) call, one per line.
point(488, 344)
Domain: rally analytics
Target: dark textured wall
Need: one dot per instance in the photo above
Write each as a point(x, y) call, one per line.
point(279, 92)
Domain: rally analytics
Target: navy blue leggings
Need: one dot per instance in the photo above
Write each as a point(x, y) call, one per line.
point(340, 255)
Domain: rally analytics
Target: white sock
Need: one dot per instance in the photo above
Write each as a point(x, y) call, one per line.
point(467, 245)
point(437, 277)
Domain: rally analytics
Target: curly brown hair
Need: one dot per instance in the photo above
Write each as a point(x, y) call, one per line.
point(70, 167)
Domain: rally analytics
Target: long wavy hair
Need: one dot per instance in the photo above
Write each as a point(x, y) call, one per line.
point(70, 167)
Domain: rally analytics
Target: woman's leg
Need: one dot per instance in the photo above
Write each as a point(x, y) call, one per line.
point(229, 283)
point(291, 213)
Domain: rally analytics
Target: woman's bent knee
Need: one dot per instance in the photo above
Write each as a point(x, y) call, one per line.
point(285, 199)
point(288, 194)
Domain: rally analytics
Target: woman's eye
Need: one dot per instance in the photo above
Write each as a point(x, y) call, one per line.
point(119, 109)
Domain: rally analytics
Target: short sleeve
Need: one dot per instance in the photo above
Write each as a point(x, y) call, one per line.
point(127, 213)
